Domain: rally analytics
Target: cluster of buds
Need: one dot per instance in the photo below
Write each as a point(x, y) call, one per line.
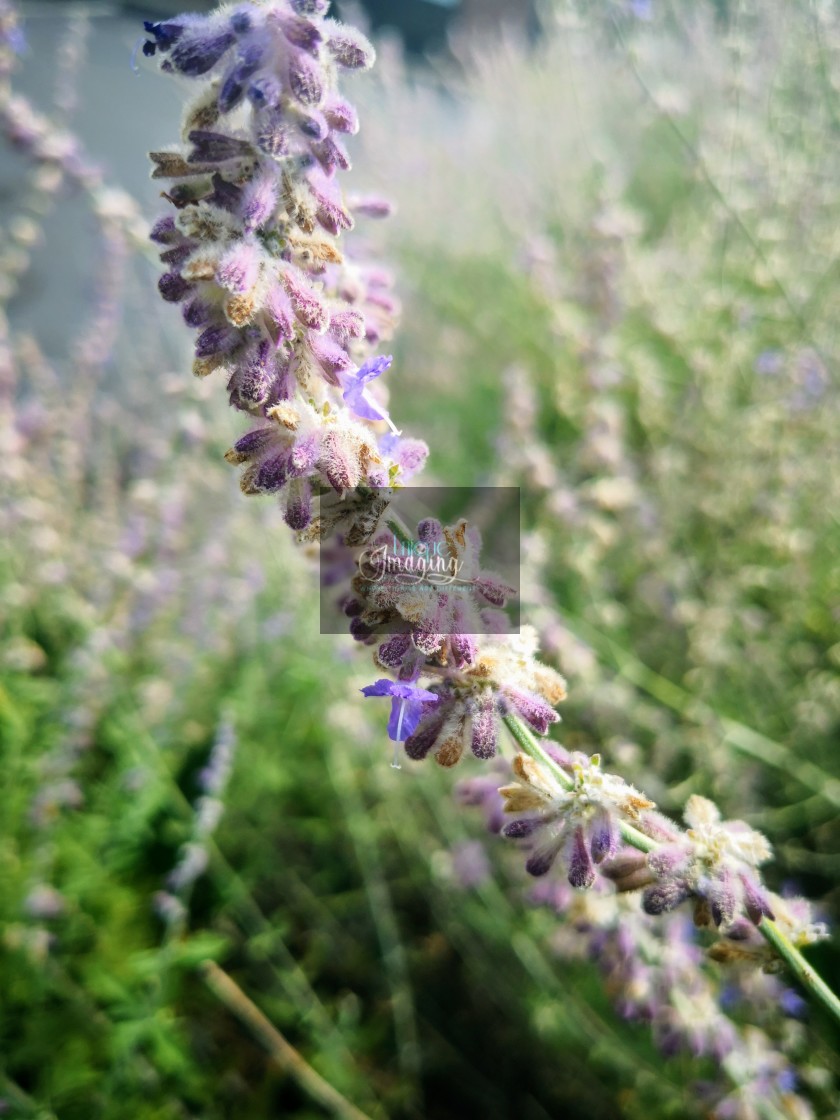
point(464, 705)
point(579, 823)
point(434, 617)
point(716, 863)
point(253, 258)
point(652, 965)
point(252, 250)
point(574, 810)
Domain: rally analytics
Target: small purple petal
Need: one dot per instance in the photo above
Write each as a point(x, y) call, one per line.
point(581, 871)
point(483, 741)
point(406, 691)
point(517, 830)
point(405, 716)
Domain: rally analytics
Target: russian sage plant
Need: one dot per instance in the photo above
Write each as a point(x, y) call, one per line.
point(292, 322)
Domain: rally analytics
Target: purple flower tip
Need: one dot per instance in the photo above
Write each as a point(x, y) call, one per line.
point(374, 367)
point(401, 689)
point(165, 33)
point(355, 385)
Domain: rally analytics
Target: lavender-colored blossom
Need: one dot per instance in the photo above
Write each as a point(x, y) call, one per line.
point(409, 454)
point(355, 392)
point(474, 699)
point(442, 611)
point(470, 865)
point(409, 703)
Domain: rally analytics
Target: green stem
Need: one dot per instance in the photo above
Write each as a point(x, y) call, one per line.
point(807, 976)
point(399, 531)
point(284, 1054)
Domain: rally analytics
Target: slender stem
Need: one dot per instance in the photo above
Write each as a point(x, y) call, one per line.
point(232, 996)
point(807, 976)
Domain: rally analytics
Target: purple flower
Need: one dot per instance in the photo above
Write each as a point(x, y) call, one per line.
point(356, 395)
point(408, 454)
point(769, 363)
point(165, 34)
point(408, 704)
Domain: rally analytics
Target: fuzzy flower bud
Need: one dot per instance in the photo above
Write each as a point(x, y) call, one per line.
point(579, 824)
point(714, 862)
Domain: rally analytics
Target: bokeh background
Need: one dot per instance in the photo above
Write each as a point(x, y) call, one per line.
point(616, 245)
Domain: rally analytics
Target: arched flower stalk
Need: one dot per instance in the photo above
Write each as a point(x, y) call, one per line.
point(292, 323)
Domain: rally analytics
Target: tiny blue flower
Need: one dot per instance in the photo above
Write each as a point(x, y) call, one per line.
point(787, 1080)
point(408, 704)
point(793, 1004)
point(769, 363)
point(355, 391)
